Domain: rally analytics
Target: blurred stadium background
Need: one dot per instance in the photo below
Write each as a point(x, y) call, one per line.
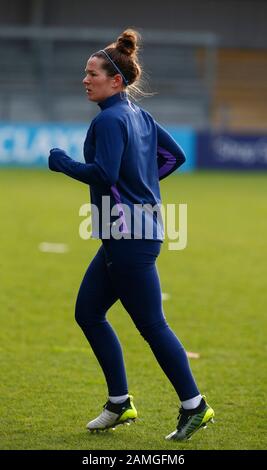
point(207, 63)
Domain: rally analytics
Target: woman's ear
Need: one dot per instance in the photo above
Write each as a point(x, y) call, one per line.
point(117, 81)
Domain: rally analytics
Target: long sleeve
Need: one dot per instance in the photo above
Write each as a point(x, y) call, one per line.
point(170, 154)
point(105, 169)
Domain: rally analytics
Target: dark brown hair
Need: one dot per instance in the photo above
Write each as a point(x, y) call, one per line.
point(124, 53)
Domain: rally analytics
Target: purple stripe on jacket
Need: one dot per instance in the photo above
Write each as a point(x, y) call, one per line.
point(123, 227)
point(170, 161)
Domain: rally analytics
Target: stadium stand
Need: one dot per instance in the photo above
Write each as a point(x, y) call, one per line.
point(42, 81)
point(241, 90)
point(202, 79)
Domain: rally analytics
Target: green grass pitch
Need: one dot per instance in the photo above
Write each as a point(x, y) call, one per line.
point(51, 384)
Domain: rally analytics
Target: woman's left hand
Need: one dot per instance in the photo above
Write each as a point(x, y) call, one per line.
point(55, 155)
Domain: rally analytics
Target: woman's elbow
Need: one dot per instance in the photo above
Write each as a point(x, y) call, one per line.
point(182, 158)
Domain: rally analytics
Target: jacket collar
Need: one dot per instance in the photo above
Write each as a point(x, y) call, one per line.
point(111, 100)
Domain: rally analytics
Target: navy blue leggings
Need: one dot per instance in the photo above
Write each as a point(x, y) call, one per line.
point(125, 269)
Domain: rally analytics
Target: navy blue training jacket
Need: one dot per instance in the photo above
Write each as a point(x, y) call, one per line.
point(126, 153)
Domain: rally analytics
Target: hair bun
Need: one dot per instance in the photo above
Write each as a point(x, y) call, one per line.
point(127, 42)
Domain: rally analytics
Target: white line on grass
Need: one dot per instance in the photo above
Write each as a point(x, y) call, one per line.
point(47, 247)
point(165, 296)
point(192, 355)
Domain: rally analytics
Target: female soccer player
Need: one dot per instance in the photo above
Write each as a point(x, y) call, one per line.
point(126, 154)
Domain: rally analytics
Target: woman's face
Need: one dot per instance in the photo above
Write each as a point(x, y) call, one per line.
point(98, 84)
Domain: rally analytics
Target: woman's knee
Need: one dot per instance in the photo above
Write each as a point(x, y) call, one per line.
point(150, 331)
point(79, 313)
point(87, 315)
